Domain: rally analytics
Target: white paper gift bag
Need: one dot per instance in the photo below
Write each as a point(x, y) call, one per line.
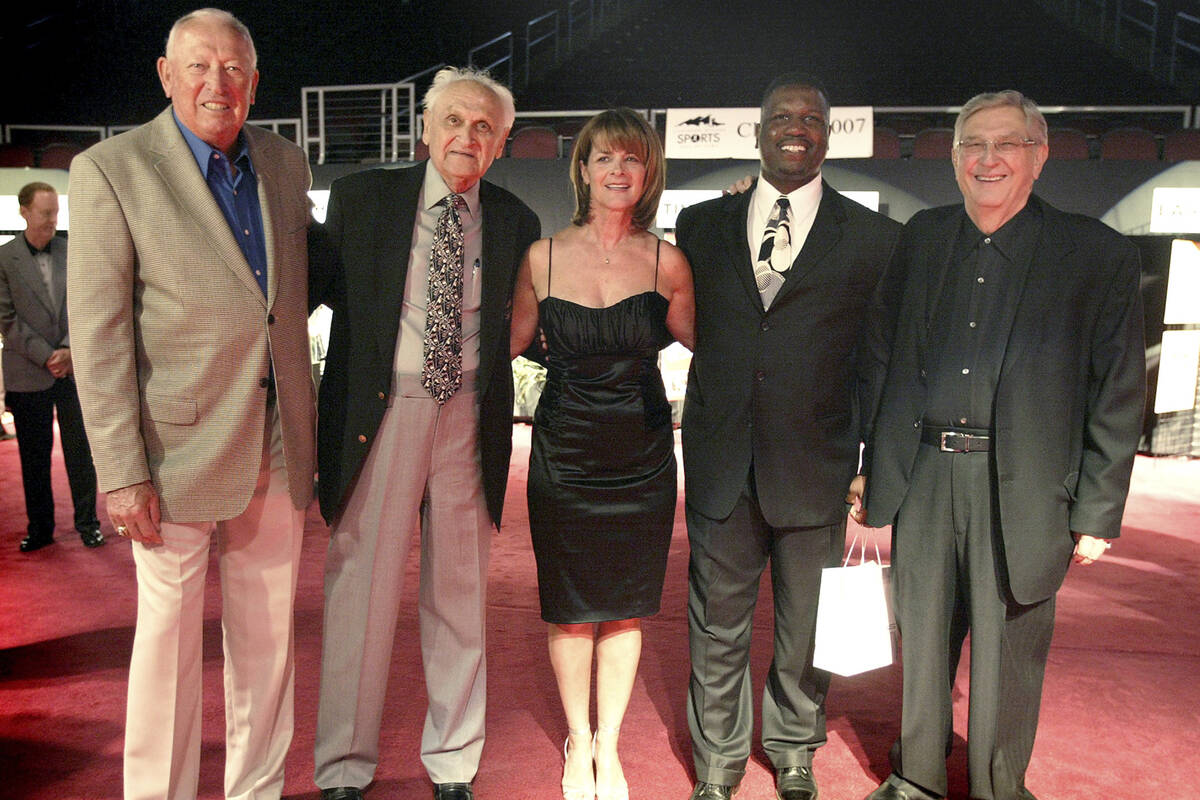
point(852, 617)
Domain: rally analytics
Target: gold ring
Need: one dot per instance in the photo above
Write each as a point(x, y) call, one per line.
point(122, 531)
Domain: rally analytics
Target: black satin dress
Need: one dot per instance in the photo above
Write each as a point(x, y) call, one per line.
point(602, 483)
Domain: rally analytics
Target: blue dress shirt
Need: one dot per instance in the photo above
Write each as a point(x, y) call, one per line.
point(237, 195)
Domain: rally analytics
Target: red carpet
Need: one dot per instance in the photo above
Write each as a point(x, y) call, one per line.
point(1119, 720)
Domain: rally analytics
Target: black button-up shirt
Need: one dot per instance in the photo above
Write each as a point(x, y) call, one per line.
point(971, 319)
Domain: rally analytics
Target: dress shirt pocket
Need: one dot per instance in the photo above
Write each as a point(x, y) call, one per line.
point(172, 410)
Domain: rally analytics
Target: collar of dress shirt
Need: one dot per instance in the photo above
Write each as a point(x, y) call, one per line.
point(202, 151)
point(435, 190)
point(803, 203)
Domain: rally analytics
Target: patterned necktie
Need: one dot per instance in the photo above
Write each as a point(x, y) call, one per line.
point(442, 373)
point(775, 254)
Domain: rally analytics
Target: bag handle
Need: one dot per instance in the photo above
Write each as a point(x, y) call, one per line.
point(860, 539)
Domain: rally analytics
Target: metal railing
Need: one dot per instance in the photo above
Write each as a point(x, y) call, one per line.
point(533, 38)
point(73, 131)
point(1178, 41)
point(502, 44)
point(359, 123)
point(1121, 18)
point(579, 13)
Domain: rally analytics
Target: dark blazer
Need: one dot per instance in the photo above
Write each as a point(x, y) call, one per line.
point(1068, 405)
point(776, 388)
point(32, 323)
point(358, 266)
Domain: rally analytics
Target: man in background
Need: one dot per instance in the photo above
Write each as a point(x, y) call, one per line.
point(38, 373)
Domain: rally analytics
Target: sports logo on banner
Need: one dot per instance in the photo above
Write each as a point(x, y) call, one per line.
point(733, 132)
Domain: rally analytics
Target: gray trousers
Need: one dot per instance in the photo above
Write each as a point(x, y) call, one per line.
point(727, 560)
point(948, 577)
point(424, 464)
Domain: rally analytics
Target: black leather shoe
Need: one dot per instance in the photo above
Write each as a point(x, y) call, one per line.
point(896, 788)
point(453, 791)
point(795, 783)
point(92, 537)
point(712, 791)
point(32, 542)
point(342, 793)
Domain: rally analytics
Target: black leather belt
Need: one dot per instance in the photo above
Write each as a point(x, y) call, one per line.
point(953, 440)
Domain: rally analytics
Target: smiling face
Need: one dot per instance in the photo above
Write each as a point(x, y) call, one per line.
point(793, 137)
point(615, 176)
point(209, 75)
point(995, 187)
point(465, 131)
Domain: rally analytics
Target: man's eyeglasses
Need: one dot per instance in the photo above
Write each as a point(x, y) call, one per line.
point(1003, 147)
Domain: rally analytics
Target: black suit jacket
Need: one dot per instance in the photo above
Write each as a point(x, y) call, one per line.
point(1068, 405)
point(775, 388)
point(358, 263)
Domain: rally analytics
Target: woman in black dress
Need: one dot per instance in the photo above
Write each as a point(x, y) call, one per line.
point(607, 295)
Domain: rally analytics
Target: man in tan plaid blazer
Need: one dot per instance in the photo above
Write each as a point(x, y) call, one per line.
point(187, 293)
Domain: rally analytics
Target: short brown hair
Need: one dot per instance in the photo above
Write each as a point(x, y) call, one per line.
point(627, 129)
point(29, 190)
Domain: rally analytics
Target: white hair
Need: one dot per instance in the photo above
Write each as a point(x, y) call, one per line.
point(447, 76)
point(1035, 123)
point(218, 16)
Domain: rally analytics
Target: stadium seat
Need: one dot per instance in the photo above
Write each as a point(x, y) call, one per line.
point(1068, 144)
point(534, 142)
point(16, 155)
point(1182, 145)
point(887, 144)
point(58, 155)
point(933, 143)
point(1129, 144)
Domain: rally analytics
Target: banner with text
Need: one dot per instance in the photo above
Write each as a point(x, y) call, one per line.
point(733, 132)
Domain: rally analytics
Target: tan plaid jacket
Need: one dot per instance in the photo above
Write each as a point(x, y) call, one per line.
point(171, 337)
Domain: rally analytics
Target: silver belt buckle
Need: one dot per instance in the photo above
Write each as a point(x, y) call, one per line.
point(942, 442)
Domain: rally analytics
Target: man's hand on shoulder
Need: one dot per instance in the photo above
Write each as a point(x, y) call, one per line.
point(738, 187)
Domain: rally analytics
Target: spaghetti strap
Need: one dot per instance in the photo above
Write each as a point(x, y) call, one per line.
point(549, 262)
point(657, 253)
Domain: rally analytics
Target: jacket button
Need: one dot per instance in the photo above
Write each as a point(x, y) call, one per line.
point(760, 375)
point(382, 396)
point(362, 439)
point(264, 382)
point(916, 423)
point(764, 326)
point(270, 319)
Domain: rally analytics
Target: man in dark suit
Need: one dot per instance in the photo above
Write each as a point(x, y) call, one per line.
point(1007, 340)
point(783, 276)
point(37, 368)
point(418, 266)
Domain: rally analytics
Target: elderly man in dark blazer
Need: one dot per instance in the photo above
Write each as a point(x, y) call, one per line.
point(38, 374)
point(1007, 342)
point(771, 433)
point(418, 265)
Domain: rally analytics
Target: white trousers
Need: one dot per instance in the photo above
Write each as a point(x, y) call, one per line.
point(424, 462)
point(258, 556)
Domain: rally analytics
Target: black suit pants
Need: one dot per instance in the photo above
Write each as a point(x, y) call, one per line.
point(948, 577)
point(727, 560)
point(33, 418)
